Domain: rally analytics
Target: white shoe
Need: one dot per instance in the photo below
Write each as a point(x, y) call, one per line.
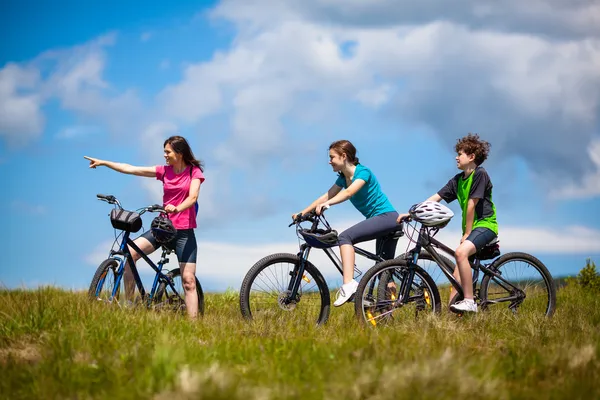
point(345, 292)
point(466, 305)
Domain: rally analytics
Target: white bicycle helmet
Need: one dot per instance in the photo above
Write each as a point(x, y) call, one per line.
point(431, 213)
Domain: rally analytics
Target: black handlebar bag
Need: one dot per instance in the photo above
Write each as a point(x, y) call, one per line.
point(128, 221)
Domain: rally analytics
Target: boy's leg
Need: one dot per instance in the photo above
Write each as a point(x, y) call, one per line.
point(464, 251)
point(478, 238)
point(453, 291)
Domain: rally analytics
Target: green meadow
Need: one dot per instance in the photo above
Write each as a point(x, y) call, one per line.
point(56, 344)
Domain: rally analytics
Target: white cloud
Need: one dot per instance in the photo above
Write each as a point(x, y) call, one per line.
point(534, 96)
point(76, 132)
point(375, 97)
point(77, 80)
point(74, 76)
point(590, 185)
point(21, 118)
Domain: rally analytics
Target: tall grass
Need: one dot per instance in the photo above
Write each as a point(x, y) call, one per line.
point(57, 345)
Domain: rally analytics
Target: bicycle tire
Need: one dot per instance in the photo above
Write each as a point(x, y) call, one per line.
point(105, 270)
point(278, 308)
point(164, 299)
point(503, 261)
point(381, 308)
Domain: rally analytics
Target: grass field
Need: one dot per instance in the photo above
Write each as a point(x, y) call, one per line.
point(57, 345)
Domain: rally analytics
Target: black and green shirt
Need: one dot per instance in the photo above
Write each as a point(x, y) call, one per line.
point(476, 186)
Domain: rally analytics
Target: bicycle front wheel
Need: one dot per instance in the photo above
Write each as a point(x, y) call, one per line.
point(265, 293)
point(104, 287)
point(379, 298)
point(530, 289)
point(167, 299)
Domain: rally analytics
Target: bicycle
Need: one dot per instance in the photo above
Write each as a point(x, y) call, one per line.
point(281, 283)
point(167, 288)
point(404, 288)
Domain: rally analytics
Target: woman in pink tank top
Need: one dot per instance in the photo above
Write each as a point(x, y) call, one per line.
point(181, 177)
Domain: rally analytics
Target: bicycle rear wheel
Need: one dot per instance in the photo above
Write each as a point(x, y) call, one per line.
point(167, 299)
point(265, 294)
point(378, 300)
point(531, 289)
point(103, 283)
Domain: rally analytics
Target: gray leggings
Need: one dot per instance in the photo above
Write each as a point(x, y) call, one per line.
point(373, 228)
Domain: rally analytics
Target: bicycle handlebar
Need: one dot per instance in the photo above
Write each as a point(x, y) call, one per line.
point(110, 199)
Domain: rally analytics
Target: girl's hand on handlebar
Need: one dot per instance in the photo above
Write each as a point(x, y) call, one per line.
point(320, 207)
point(403, 217)
point(170, 208)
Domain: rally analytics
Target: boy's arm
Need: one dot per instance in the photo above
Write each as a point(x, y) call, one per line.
point(436, 197)
point(470, 217)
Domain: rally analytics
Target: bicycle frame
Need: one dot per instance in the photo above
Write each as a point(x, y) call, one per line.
point(303, 254)
point(125, 255)
point(427, 242)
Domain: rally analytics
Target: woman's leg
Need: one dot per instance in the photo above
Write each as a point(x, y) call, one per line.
point(146, 247)
point(187, 250)
point(188, 276)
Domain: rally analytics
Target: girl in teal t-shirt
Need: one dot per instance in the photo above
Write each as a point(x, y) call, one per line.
point(358, 184)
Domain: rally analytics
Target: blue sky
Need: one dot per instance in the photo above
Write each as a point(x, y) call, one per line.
point(260, 88)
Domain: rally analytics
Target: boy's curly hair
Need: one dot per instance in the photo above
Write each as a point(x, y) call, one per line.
point(472, 144)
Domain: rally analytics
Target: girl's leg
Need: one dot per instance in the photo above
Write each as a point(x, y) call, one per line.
point(348, 261)
point(368, 229)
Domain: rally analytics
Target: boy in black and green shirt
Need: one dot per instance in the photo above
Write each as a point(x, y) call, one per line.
point(473, 189)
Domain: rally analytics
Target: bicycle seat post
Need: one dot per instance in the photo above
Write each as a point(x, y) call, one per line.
point(163, 258)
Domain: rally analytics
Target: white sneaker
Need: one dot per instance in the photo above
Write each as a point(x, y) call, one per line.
point(466, 305)
point(345, 292)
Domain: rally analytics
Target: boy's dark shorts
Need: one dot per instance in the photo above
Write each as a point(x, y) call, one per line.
point(480, 237)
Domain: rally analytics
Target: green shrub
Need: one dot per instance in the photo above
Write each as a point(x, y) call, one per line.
point(588, 277)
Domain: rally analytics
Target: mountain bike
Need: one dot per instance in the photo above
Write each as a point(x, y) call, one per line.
point(285, 286)
point(167, 291)
point(404, 289)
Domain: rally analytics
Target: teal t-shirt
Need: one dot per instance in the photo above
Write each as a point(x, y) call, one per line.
point(369, 200)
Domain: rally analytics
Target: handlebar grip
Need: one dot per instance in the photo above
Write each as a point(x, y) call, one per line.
point(107, 197)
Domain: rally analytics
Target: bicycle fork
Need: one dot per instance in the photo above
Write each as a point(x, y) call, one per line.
point(297, 275)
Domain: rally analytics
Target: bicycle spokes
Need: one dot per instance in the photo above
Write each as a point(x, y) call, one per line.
point(270, 295)
point(523, 288)
point(384, 303)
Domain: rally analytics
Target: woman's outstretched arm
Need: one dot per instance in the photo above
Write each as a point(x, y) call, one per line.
point(149, 172)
